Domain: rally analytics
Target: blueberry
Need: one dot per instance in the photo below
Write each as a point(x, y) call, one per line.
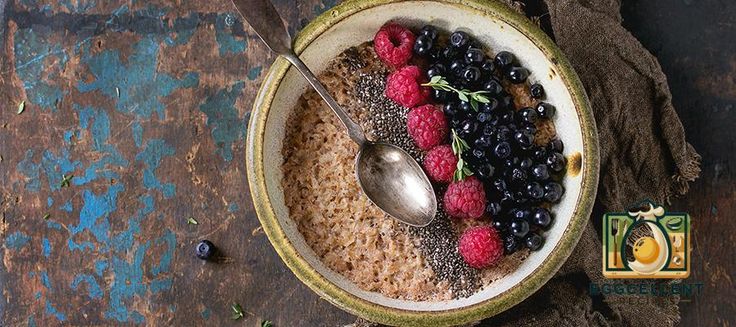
point(451, 109)
point(435, 55)
point(523, 214)
point(510, 244)
point(490, 106)
point(499, 184)
point(533, 241)
point(536, 90)
point(471, 74)
point(526, 115)
point(468, 128)
point(535, 191)
point(474, 56)
point(493, 87)
point(483, 142)
point(499, 225)
point(518, 176)
point(456, 121)
point(489, 130)
point(437, 69)
point(553, 192)
point(457, 66)
point(540, 172)
point(507, 198)
point(487, 66)
point(422, 45)
point(529, 127)
point(459, 39)
point(519, 227)
point(511, 162)
point(521, 198)
point(465, 106)
point(524, 139)
point(502, 150)
point(450, 54)
point(546, 110)
point(539, 154)
point(506, 117)
point(503, 133)
point(556, 162)
point(478, 153)
point(493, 209)
point(429, 31)
point(504, 59)
point(517, 75)
point(205, 249)
point(526, 163)
point(541, 217)
point(485, 171)
point(556, 145)
point(440, 95)
point(483, 117)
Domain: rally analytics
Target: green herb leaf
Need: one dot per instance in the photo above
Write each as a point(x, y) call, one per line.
point(435, 79)
point(266, 323)
point(474, 104)
point(46, 216)
point(65, 180)
point(481, 98)
point(192, 221)
point(237, 311)
point(21, 107)
point(462, 96)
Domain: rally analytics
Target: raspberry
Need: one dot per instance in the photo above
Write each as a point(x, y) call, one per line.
point(403, 86)
point(480, 246)
point(465, 199)
point(427, 126)
point(393, 44)
point(440, 163)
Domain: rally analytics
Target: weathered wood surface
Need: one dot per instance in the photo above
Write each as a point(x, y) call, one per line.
point(146, 104)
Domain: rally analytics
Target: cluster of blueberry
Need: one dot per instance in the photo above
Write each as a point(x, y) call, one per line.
point(519, 175)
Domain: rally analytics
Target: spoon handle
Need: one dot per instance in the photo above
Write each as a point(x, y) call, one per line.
point(266, 22)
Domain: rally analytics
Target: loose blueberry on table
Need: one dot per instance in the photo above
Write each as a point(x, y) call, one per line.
point(205, 250)
point(496, 169)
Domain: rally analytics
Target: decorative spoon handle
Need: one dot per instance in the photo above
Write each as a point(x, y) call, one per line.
point(266, 22)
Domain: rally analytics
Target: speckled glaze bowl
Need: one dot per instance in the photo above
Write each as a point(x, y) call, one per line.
point(499, 28)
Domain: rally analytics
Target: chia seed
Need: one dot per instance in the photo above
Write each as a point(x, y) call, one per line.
point(438, 241)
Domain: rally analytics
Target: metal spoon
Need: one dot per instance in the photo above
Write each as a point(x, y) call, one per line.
point(387, 174)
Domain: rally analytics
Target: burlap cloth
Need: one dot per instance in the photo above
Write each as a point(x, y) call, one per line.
point(644, 155)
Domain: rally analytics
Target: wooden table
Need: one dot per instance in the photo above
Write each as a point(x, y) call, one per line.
point(145, 103)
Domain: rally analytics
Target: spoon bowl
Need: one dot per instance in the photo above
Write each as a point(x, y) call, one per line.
point(392, 179)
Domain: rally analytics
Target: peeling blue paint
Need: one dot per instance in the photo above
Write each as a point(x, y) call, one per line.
point(152, 154)
point(37, 295)
point(141, 85)
point(16, 240)
point(45, 281)
point(46, 247)
point(222, 119)
point(31, 321)
point(226, 41)
point(96, 122)
point(254, 72)
point(78, 6)
point(54, 167)
point(232, 207)
point(185, 27)
point(53, 224)
point(93, 216)
point(52, 311)
point(137, 131)
point(160, 285)
point(206, 313)
point(165, 263)
point(100, 267)
point(49, 202)
point(31, 51)
point(128, 282)
point(68, 206)
point(68, 136)
point(92, 287)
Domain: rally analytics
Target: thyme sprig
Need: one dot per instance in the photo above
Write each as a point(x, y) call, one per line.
point(458, 146)
point(474, 97)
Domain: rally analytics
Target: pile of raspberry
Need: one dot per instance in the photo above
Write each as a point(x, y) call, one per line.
point(435, 131)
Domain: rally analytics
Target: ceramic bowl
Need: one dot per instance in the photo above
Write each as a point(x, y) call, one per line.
point(498, 28)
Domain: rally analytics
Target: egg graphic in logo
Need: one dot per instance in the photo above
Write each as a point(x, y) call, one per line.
point(646, 250)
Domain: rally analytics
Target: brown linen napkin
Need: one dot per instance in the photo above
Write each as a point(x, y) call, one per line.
point(644, 155)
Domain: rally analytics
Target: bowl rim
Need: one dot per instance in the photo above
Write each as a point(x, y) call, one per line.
point(392, 316)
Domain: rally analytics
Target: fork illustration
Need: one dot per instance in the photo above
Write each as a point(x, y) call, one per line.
point(614, 233)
